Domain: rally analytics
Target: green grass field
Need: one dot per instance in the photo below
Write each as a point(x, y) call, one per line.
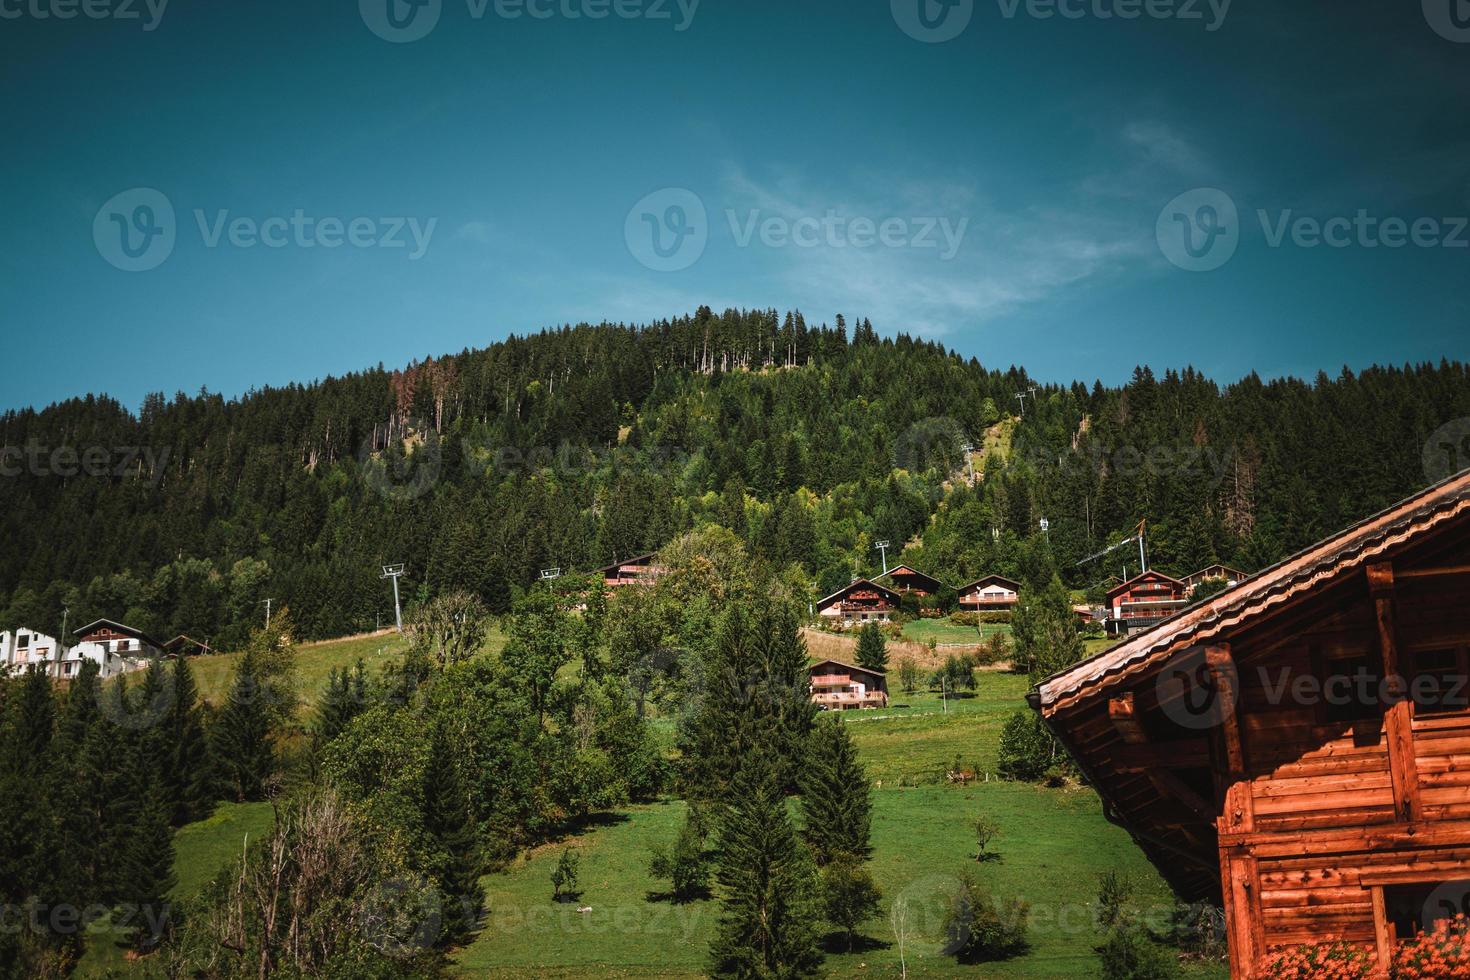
point(1053, 845)
point(315, 661)
point(945, 631)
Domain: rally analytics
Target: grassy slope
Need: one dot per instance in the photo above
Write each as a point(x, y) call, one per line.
point(1054, 844)
point(944, 631)
point(314, 661)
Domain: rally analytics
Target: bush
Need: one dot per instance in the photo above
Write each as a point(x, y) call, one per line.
point(686, 866)
point(965, 619)
point(980, 928)
point(849, 897)
point(1326, 961)
point(564, 877)
point(1026, 748)
point(1129, 954)
point(994, 618)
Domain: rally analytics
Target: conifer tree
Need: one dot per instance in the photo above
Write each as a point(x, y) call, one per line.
point(189, 777)
point(148, 867)
point(769, 904)
point(836, 798)
point(872, 648)
point(450, 824)
point(240, 737)
point(344, 699)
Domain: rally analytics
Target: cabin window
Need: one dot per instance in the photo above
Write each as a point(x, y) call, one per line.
point(1437, 681)
point(1350, 688)
point(1412, 909)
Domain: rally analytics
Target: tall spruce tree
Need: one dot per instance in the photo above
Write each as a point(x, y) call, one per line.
point(148, 865)
point(769, 902)
point(344, 699)
point(872, 648)
point(188, 775)
point(240, 737)
point(836, 797)
point(450, 825)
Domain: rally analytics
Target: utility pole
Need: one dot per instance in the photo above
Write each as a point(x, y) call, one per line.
point(267, 605)
point(395, 572)
point(1046, 528)
point(61, 640)
point(883, 547)
point(1142, 554)
point(969, 449)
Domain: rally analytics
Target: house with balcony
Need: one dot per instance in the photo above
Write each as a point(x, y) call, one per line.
point(859, 603)
point(908, 580)
point(838, 686)
point(642, 570)
point(1144, 602)
point(990, 594)
point(25, 650)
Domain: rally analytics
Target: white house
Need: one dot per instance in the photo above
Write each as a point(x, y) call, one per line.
point(24, 650)
point(117, 651)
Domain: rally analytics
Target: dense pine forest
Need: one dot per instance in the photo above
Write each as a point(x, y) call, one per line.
point(580, 446)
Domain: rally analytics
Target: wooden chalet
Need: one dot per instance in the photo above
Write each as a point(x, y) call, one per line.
point(906, 580)
point(634, 571)
point(838, 686)
point(861, 602)
point(1144, 601)
point(1232, 576)
point(118, 639)
point(1297, 748)
point(990, 594)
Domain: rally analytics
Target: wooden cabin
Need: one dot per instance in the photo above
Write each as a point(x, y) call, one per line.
point(906, 580)
point(186, 646)
point(839, 686)
point(1297, 748)
point(1219, 573)
point(990, 594)
point(859, 603)
point(635, 571)
point(1144, 601)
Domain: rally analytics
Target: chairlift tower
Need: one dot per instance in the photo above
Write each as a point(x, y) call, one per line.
point(395, 572)
point(882, 546)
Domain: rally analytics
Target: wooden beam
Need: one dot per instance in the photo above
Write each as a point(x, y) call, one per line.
point(1244, 921)
point(1124, 713)
point(1187, 753)
point(1237, 796)
point(1398, 718)
point(1440, 572)
point(1171, 785)
point(1382, 933)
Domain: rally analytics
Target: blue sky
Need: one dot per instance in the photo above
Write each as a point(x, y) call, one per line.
point(830, 152)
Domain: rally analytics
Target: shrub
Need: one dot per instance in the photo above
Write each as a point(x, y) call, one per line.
point(980, 928)
point(1129, 954)
point(686, 866)
point(849, 897)
point(1443, 954)
point(1325, 961)
point(965, 619)
point(994, 618)
point(564, 877)
point(1026, 749)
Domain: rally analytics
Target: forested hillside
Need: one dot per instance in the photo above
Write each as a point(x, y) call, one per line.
point(580, 446)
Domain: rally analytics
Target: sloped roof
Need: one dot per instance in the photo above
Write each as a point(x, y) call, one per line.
point(855, 583)
point(122, 628)
point(998, 579)
point(1324, 562)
